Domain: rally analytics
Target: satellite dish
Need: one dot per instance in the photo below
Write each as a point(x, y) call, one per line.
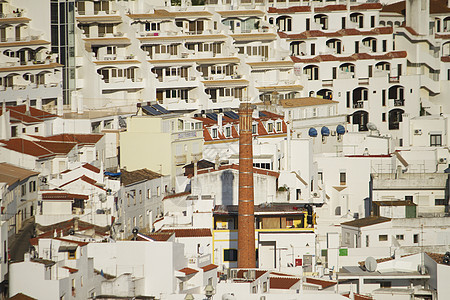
point(371, 126)
point(370, 264)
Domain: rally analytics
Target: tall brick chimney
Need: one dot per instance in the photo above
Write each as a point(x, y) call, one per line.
point(246, 211)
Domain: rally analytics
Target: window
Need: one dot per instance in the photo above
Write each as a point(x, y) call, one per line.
point(400, 237)
point(71, 254)
point(265, 287)
point(140, 196)
point(254, 289)
point(228, 131)
point(230, 255)
point(383, 117)
point(279, 126)
point(158, 191)
point(313, 49)
point(435, 139)
point(440, 202)
point(367, 241)
point(383, 97)
point(320, 177)
point(149, 193)
point(416, 239)
point(409, 198)
point(343, 178)
point(269, 127)
point(298, 193)
point(383, 237)
point(23, 190)
point(372, 21)
point(214, 133)
point(32, 186)
point(385, 284)
point(254, 131)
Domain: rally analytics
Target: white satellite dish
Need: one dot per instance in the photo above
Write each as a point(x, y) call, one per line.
point(371, 264)
point(371, 126)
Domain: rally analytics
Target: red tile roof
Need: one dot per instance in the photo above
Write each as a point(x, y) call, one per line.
point(188, 232)
point(81, 139)
point(354, 57)
point(85, 179)
point(57, 147)
point(91, 168)
point(340, 33)
point(209, 267)
point(283, 283)
point(177, 195)
point(258, 273)
point(21, 296)
point(34, 112)
point(72, 241)
point(188, 271)
point(158, 236)
point(63, 196)
point(289, 10)
point(323, 283)
point(358, 296)
point(27, 147)
point(71, 270)
point(236, 167)
point(333, 7)
point(365, 6)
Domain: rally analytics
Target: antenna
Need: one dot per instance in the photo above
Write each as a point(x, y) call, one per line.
point(370, 264)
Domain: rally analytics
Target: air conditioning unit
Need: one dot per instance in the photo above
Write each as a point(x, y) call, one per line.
point(417, 131)
point(442, 160)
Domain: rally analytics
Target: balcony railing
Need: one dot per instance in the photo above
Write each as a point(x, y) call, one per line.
point(399, 102)
point(358, 104)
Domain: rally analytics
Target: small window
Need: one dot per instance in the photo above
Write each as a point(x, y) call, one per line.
point(71, 254)
point(440, 202)
point(299, 193)
point(409, 198)
point(385, 284)
point(228, 131)
point(367, 241)
point(254, 131)
point(149, 193)
point(343, 178)
point(383, 237)
point(383, 117)
point(230, 255)
point(435, 139)
point(265, 287)
point(416, 239)
point(279, 126)
point(214, 133)
point(23, 190)
point(400, 237)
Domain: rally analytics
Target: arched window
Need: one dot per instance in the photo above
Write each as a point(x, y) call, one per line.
point(311, 72)
point(395, 118)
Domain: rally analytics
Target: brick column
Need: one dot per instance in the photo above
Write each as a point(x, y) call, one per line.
point(246, 216)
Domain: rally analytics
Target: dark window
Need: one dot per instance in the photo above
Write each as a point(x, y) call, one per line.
point(383, 117)
point(383, 237)
point(435, 139)
point(307, 24)
point(409, 198)
point(313, 49)
point(343, 22)
point(372, 21)
point(71, 254)
point(230, 255)
point(416, 239)
point(342, 178)
point(356, 47)
point(383, 98)
point(385, 284)
point(440, 202)
point(348, 99)
point(400, 237)
point(384, 45)
point(334, 72)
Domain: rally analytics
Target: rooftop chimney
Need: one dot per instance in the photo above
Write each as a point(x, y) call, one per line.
point(246, 214)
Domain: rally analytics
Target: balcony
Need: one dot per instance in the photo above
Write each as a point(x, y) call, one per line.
point(363, 80)
point(122, 83)
point(327, 82)
point(394, 79)
point(358, 104)
point(399, 102)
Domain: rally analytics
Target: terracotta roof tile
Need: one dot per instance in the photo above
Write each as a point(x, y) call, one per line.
point(82, 139)
point(333, 7)
point(34, 112)
point(258, 273)
point(188, 271)
point(71, 270)
point(289, 10)
point(188, 232)
point(283, 283)
point(12, 174)
point(209, 267)
point(365, 6)
point(27, 147)
point(85, 179)
point(323, 283)
point(131, 177)
point(157, 236)
point(63, 196)
point(57, 147)
point(21, 296)
point(236, 167)
point(177, 195)
point(445, 58)
point(366, 221)
point(91, 168)
point(306, 101)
